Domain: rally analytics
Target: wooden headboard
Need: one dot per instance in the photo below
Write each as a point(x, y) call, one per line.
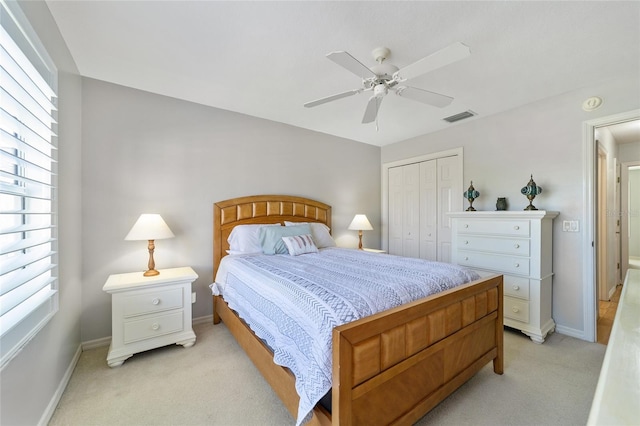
point(261, 209)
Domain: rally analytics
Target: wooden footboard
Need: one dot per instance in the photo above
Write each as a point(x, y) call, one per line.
point(393, 367)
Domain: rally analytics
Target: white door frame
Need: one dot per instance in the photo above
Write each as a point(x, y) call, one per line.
point(624, 216)
point(385, 184)
point(589, 214)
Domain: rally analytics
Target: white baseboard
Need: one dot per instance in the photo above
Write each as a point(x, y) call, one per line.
point(572, 332)
point(96, 343)
point(51, 408)
point(203, 320)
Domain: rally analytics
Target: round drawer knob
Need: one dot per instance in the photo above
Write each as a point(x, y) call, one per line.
point(516, 227)
point(466, 225)
point(515, 310)
point(466, 242)
point(466, 258)
point(516, 288)
point(155, 301)
point(155, 326)
point(517, 265)
point(516, 245)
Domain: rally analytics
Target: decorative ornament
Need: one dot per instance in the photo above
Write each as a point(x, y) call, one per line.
point(471, 194)
point(501, 204)
point(530, 191)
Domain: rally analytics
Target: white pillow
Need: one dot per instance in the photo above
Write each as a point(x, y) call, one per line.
point(319, 232)
point(300, 244)
point(245, 238)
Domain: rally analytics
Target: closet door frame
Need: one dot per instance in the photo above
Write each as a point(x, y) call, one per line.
point(459, 152)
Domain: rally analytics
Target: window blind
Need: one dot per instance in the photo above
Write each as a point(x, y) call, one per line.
point(28, 273)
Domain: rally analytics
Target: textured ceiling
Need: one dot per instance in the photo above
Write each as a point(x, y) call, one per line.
point(266, 59)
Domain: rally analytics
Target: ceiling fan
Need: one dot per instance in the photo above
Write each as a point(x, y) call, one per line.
point(385, 77)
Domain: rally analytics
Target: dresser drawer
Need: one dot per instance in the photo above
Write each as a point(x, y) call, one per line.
point(516, 287)
point(516, 309)
point(516, 228)
point(506, 264)
point(515, 246)
point(152, 301)
point(148, 328)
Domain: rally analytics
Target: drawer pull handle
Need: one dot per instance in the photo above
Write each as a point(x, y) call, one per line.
point(466, 258)
point(466, 242)
point(516, 227)
point(156, 301)
point(155, 326)
point(517, 265)
point(516, 288)
point(516, 245)
point(466, 225)
point(515, 310)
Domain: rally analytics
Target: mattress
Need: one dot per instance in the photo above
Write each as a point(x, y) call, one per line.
point(294, 302)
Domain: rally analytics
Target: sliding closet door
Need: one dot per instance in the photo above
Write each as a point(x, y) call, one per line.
point(404, 210)
point(450, 199)
point(429, 210)
point(420, 195)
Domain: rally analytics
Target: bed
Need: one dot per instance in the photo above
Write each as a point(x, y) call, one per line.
point(387, 368)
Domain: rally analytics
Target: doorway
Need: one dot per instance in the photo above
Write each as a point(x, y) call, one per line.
point(595, 213)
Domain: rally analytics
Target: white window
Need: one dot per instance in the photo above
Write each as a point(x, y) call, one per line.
point(28, 273)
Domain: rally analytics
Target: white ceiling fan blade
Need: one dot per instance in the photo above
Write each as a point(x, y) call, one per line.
point(332, 98)
point(446, 56)
point(424, 96)
point(371, 112)
point(348, 62)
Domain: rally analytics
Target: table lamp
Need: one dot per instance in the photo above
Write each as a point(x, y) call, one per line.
point(149, 227)
point(360, 223)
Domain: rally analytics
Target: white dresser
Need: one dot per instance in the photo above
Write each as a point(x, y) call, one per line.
point(518, 245)
point(149, 312)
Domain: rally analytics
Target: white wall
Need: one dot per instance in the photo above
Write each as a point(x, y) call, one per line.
point(30, 382)
point(545, 139)
point(144, 153)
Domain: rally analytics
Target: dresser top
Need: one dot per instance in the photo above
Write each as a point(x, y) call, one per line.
point(121, 282)
point(507, 214)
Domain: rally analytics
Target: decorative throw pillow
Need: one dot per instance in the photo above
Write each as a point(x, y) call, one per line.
point(246, 238)
point(271, 237)
point(300, 244)
point(320, 233)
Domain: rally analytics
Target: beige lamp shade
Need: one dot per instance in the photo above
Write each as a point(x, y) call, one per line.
point(149, 227)
point(360, 223)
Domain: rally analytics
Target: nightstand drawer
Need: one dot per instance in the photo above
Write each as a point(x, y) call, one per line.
point(516, 287)
point(516, 228)
point(516, 309)
point(152, 301)
point(515, 246)
point(498, 263)
point(152, 327)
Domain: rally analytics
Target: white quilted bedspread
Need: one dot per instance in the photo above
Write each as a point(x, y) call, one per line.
point(294, 302)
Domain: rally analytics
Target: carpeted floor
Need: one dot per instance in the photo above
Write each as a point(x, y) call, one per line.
point(214, 383)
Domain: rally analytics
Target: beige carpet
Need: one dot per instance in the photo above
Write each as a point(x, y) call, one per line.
point(214, 383)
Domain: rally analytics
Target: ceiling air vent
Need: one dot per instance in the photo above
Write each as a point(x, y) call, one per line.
point(460, 116)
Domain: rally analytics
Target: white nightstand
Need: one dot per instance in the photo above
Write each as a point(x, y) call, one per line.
point(149, 312)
